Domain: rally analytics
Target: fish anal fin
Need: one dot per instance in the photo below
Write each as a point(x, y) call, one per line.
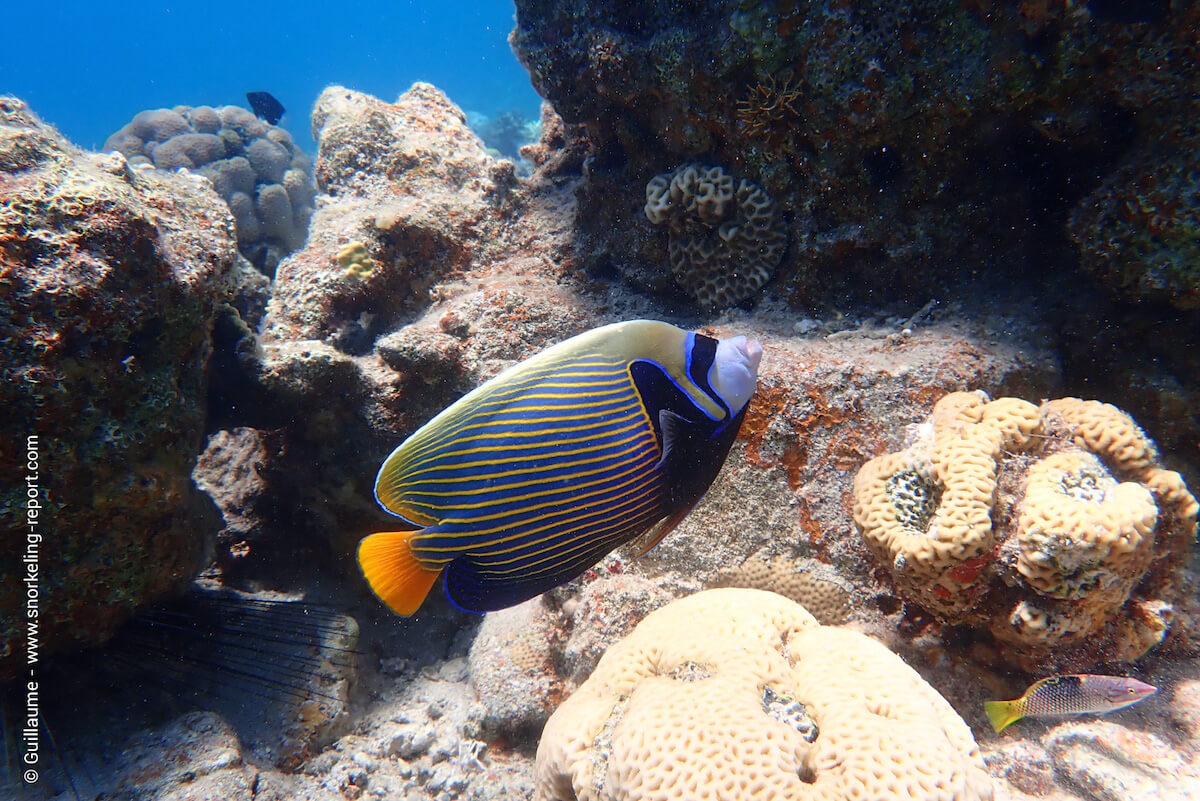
point(393, 571)
point(1001, 714)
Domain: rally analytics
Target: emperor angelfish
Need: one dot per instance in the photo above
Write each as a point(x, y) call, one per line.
point(530, 479)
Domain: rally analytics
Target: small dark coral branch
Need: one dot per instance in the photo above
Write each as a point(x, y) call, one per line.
point(768, 105)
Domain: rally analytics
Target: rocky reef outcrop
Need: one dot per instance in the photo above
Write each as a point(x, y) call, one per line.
point(912, 147)
point(902, 139)
point(111, 279)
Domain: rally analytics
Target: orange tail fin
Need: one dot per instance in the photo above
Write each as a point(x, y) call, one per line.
point(395, 574)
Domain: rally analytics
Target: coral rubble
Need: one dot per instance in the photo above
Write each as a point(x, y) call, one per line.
point(1054, 528)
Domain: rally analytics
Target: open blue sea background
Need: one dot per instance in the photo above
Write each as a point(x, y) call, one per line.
point(110, 62)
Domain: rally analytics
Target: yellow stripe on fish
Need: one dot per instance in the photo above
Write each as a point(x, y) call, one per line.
point(530, 479)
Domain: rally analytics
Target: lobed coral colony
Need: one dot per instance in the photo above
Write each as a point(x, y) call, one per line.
point(726, 236)
point(255, 167)
point(1053, 527)
point(740, 693)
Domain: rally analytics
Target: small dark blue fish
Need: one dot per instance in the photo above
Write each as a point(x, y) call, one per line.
point(533, 477)
point(265, 106)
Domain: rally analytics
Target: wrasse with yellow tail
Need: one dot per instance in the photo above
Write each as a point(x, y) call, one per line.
point(1074, 694)
point(530, 479)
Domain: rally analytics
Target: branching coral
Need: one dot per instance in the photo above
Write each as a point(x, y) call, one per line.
point(1038, 524)
point(768, 105)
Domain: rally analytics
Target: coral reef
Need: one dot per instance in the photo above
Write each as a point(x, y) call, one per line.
point(1139, 231)
point(470, 276)
point(111, 279)
point(255, 167)
point(913, 147)
point(736, 693)
point(452, 269)
point(1054, 528)
point(726, 237)
point(863, 120)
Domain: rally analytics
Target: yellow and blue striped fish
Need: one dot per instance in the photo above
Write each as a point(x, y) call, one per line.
point(530, 479)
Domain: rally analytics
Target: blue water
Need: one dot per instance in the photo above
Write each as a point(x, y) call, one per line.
point(110, 62)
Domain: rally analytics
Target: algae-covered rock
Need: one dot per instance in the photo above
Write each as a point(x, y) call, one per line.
point(110, 279)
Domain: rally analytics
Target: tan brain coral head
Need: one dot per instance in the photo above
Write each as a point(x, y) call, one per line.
point(1081, 532)
point(1105, 430)
point(926, 510)
point(725, 236)
point(740, 694)
point(1039, 525)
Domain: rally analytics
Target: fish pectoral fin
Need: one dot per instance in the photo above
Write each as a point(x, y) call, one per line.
point(672, 427)
point(1002, 714)
point(661, 529)
point(393, 571)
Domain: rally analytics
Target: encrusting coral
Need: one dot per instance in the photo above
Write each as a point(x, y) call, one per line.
point(1054, 528)
point(355, 260)
point(736, 694)
point(726, 236)
point(112, 280)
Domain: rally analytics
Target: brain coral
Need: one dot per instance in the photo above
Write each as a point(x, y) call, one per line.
point(807, 582)
point(1054, 527)
point(726, 237)
point(255, 167)
point(737, 694)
